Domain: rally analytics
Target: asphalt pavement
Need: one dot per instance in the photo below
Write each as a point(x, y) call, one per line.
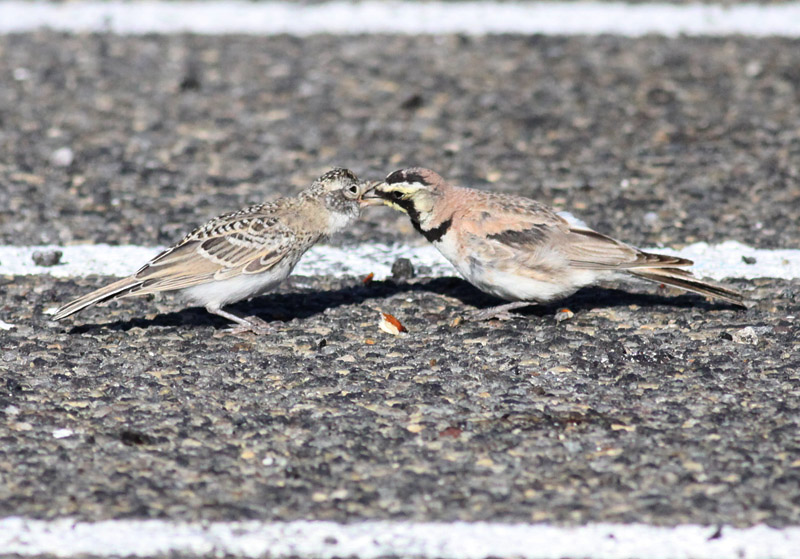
point(645, 406)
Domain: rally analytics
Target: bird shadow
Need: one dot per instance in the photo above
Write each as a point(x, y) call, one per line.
point(296, 303)
point(585, 299)
point(305, 302)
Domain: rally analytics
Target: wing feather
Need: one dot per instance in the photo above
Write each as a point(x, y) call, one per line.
point(250, 241)
point(512, 231)
point(513, 227)
point(592, 250)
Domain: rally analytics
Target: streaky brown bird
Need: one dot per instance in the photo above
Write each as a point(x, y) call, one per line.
point(241, 254)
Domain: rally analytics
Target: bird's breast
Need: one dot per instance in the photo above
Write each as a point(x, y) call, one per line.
point(240, 286)
point(339, 220)
point(435, 233)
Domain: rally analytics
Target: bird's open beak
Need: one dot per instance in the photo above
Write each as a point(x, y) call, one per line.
point(371, 197)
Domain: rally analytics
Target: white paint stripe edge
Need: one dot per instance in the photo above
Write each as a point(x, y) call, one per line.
point(725, 260)
point(216, 17)
point(132, 538)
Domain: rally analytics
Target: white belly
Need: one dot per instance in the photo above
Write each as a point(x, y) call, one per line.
point(227, 291)
point(510, 279)
point(519, 286)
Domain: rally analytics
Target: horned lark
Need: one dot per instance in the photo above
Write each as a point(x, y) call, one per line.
point(242, 254)
point(520, 250)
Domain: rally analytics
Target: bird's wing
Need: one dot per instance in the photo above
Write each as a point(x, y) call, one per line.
point(592, 250)
point(250, 241)
point(510, 227)
point(533, 234)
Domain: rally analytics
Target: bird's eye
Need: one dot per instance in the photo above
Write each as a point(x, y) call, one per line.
point(351, 192)
point(397, 195)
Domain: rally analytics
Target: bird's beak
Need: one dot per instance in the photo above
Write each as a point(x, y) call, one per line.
point(371, 197)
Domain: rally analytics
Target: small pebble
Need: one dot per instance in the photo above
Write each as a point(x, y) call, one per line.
point(21, 74)
point(746, 335)
point(402, 269)
point(191, 79)
point(412, 102)
point(650, 218)
point(47, 257)
point(62, 157)
point(748, 259)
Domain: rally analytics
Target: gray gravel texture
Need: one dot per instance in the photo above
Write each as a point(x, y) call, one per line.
point(642, 407)
point(653, 140)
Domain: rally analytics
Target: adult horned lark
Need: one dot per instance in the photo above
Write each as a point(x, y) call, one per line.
point(520, 250)
point(242, 254)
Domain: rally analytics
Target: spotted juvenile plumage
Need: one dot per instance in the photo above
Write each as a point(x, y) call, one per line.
point(518, 249)
point(244, 253)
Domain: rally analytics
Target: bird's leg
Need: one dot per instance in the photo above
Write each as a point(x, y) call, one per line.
point(245, 324)
point(499, 312)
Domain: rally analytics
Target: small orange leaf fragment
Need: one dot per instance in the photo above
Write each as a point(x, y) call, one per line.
point(391, 325)
point(564, 314)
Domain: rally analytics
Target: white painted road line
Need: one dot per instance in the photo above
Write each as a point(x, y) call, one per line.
point(132, 538)
point(216, 17)
point(725, 260)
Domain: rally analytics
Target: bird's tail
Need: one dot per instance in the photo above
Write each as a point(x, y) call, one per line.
point(685, 280)
point(117, 289)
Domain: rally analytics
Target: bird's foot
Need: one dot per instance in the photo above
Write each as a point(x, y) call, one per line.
point(244, 324)
point(500, 312)
point(248, 325)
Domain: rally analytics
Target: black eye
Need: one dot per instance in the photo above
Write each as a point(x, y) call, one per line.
point(397, 195)
point(353, 189)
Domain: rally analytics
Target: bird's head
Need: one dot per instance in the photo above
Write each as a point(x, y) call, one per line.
point(339, 190)
point(413, 191)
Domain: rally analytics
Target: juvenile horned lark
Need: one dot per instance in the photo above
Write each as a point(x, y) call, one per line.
point(242, 254)
point(520, 250)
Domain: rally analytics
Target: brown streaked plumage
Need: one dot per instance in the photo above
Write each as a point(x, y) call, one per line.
point(520, 250)
point(241, 254)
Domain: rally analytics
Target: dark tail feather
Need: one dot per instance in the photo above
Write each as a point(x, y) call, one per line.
point(116, 289)
point(685, 280)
